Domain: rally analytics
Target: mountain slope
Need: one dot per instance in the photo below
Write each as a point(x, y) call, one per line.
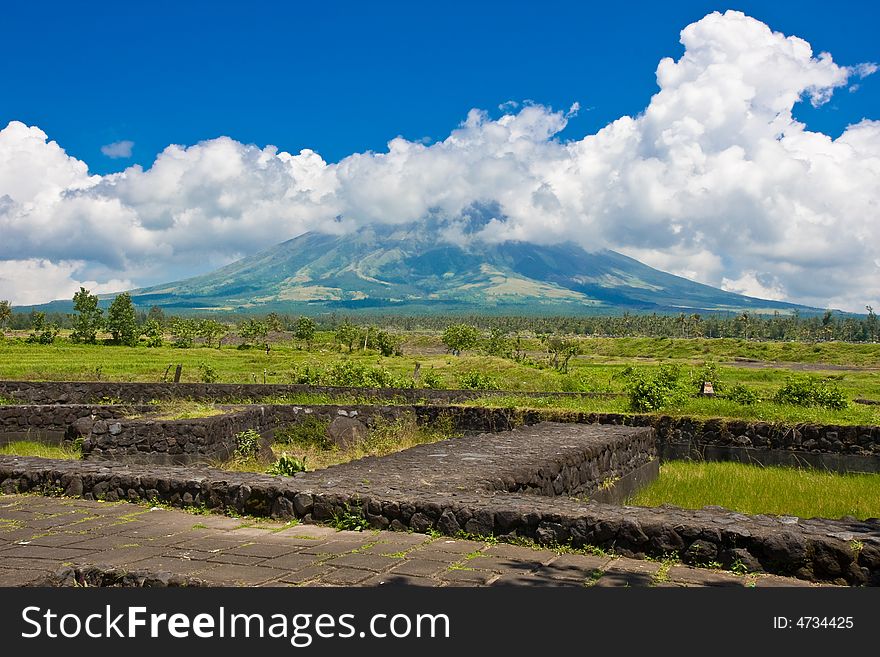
point(404, 268)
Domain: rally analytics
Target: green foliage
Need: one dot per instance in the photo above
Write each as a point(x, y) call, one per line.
point(460, 337)
point(562, 350)
point(122, 322)
point(652, 390)
point(476, 380)
point(211, 330)
point(5, 312)
point(304, 330)
point(183, 332)
point(350, 519)
point(247, 444)
point(42, 332)
point(311, 431)
point(208, 373)
point(386, 343)
point(89, 319)
point(431, 379)
point(811, 391)
point(347, 335)
point(152, 333)
point(740, 394)
point(497, 343)
point(348, 373)
point(252, 332)
point(287, 466)
point(707, 372)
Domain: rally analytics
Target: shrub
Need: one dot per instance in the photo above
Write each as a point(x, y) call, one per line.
point(247, 444)
point(810, 391)
point(431, 379)
point(476, 380)
point(287, 466)
point(708, 372)
point(311, 431)
point(654, 390)
point(739, 394)
point(208, 373)
point(459, 337)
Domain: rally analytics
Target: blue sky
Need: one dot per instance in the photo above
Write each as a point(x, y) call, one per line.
point(715, 142)
point(344, 77)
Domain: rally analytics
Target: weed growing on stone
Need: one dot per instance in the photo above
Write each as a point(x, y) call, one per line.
point(349, 519)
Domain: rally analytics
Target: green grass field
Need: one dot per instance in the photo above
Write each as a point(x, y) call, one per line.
point(599, 368)
point(755, 490)
point(31, 448)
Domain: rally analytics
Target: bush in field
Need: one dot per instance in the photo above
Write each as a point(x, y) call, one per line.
point(41, 331)
point(304, 330)
point(183, 332)
point(253, 332)
point(122, 321)
point(431, 379)
point(653, 390)
point(739, 394)
point(311, 431)
point(347, 334)
point(498, 343)
point(350, 374)
point(5, 312)
point(211, 330)
point(477, 381)
point(152, 333)
point(386, 343)
point(707, 372)
point(89, 318)
point(811, 391)
point(459, 337)
point(208, 373)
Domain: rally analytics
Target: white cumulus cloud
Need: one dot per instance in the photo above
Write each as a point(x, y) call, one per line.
point(715, 180)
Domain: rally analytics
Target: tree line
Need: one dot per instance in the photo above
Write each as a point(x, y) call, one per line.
point(129, 325)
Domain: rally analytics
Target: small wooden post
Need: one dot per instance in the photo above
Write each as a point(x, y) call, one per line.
point(177, 373)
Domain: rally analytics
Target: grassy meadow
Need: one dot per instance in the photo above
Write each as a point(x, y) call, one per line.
point(601, 367)
point(753, 489)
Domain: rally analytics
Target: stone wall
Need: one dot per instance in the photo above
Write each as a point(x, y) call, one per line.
point(831, 447)
point(843, 551)
point(50, 424)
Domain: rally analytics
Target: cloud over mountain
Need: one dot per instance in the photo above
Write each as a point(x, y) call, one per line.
point(715, 180)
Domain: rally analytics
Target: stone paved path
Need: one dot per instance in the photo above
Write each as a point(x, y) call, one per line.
point(40, 535)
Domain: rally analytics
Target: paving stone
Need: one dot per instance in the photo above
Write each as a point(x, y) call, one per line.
point(772, 581)
point(39, 552)
point(372, 562)
point(420, 568)
point(293, 561)
point(305, 575)
point(232, 574)
point(393, 579)
point(334, 547)
point(17, 577)
point(172, 565)
point(307, 532)
point(573, 566)
point(455, 546)
point(502, 564)
point(621, 578)
point(520, 579)
point(702, 577)
point(238, 559)
point(121, 556)
point(467, 577)
point(265, 550)
point(518, 552)
point(346, 576)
